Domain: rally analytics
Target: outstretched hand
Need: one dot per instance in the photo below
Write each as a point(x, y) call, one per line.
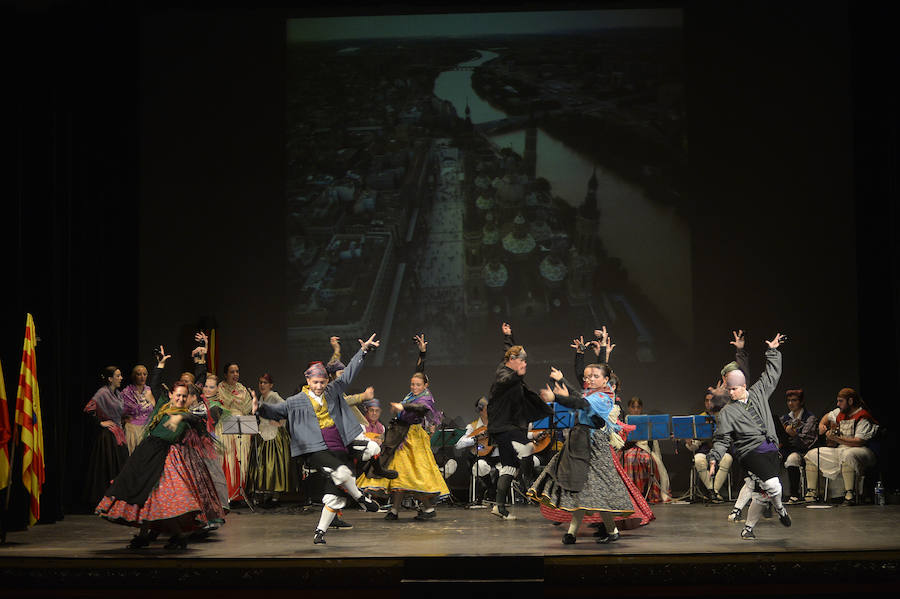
point(163, 356)
point(560, 390)
point(369, 343)
point(369, 393)
point(578, 344)
point(547, 394)
point(201, 337)
point(420, 341)
point(719, 389)
point(506, 328)
point(609, 347)
point(738, 339)
point(335, 342)
point(601, 334)
point(774, 343)
point(556, 374)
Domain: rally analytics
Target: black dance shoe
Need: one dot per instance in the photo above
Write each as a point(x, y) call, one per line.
point(747, 534)
point(608, 538)
point(391, 517)
point(376, 470)
point(422, 516)
point(568, 539)
point(784, 518)
point(176, 542)
point(139, 542)
point(368, 503)
point(319, 537)
point(339, 524)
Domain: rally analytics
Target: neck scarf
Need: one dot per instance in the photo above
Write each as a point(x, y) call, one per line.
point(432, 417)
point(161, 411)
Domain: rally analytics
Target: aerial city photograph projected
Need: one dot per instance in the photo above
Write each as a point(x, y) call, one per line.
point(449, 172)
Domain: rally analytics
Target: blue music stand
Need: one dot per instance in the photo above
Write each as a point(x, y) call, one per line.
point(649, 427)
point(693, 427)
point(562, 417)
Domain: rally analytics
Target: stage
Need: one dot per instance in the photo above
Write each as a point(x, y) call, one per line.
point(688, 549)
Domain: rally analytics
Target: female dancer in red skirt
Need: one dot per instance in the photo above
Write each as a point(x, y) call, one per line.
point(165, 485)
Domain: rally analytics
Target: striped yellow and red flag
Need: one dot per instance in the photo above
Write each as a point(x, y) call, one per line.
point(28, 419)
point(5, 435)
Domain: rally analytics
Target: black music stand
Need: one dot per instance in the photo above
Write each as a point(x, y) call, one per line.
point(241, 425)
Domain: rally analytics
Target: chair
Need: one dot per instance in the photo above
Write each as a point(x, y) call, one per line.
point(694, 483)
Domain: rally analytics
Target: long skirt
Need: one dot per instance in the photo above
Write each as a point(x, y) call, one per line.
point(641, 467)
point(417, 470)
point(236, 453)
point(270, 464)
point(602, 491)
point(106, 461)
point(183, 497)
point(134, 434)
point(642, 513)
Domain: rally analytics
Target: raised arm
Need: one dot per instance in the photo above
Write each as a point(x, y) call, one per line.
point(155, 382)
point(579, 347)
point(508, 340)
point(768, 380)
point(199, 354)
point(335, 349)
point(741, 355)
point(423, 345)
point(340, 385)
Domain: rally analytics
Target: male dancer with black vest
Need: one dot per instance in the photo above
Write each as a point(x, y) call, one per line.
point(746, 424)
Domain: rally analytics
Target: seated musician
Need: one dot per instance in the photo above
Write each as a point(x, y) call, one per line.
point(484, 467)
point(371, 411)
point(848, 430)
point(700, 448)
point(799, 437)
point(643, 463)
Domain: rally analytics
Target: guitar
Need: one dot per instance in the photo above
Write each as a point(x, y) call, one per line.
point(481, 449)
point(541, 438)
point(835, 429)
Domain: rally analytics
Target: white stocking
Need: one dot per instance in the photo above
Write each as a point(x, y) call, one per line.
point(577, 515)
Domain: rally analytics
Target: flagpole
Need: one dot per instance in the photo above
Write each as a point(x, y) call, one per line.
point(12, 460)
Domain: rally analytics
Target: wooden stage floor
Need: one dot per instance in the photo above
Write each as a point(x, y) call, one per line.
point(682, 546)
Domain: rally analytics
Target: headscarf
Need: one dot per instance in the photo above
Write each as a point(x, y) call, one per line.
point(316, 370)
point(334, 367)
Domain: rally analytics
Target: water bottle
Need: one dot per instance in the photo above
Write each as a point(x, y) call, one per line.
point(879, 493)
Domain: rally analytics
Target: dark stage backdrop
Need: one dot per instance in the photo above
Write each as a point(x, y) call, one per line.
point(151, 181)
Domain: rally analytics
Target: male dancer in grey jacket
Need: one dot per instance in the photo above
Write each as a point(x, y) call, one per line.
point(322, 429)
point(746, 424)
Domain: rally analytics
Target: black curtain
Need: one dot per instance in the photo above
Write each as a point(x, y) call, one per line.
point(70, 230)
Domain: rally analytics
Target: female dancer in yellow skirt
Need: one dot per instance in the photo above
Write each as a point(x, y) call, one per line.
point(407, 449)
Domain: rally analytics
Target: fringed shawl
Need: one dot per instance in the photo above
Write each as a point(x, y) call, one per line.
point(106, 404)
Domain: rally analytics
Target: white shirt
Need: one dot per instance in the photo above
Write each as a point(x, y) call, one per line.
point(863, 428)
